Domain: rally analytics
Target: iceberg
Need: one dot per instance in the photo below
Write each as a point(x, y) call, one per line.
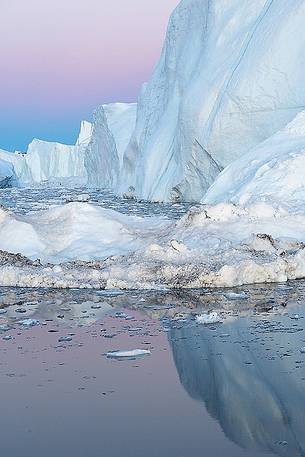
point(7, 173)
point(230, 76)
point(272, 172)
point(112, 129)
point(45, 160)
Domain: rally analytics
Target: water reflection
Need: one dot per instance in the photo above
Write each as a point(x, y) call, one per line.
point(248, 371)
point(250, 374)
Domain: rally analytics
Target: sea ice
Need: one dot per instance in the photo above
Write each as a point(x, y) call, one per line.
point(130, 354)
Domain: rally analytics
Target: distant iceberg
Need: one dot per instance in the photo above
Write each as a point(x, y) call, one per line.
point(46, 160)
point(112, 129)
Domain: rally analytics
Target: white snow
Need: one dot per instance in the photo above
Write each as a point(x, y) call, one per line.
point(76, 231)
point(213, 246)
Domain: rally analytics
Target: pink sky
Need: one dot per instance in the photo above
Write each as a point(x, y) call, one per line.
point(61, 58)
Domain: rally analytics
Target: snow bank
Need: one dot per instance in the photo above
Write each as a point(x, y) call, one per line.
point(75, 231)
point(81, 245)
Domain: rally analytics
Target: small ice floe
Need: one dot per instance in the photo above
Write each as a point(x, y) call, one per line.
point(128, 355)
point(5, 327)
point(206, 319)
point(64, 339)
point(295, 317)
point(121, 315)
point(7, 337)
point(3, 311)
point(28, 322)
point(236, 296)
point(302, 350)
point(83, 198)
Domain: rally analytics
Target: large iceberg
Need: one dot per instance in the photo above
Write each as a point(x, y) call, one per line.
point(231, 75)
point(112, 129)
point(47, 160)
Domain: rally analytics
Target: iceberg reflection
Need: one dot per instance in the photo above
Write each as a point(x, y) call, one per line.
point(250, 375)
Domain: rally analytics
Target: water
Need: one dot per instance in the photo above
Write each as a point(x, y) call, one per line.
point(234, 389)
point(22, 201)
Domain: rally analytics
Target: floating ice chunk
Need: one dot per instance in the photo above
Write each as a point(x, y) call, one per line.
point(83, 198)
point(64, 339)
point(28, 322)
point(4, 328)
point(236, 296)
point(211, 318)
point(131, 354)
point(295, 316)
point(302, 350)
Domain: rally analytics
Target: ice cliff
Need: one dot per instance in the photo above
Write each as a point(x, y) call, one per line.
point(231, 75)
point(7, 173)
point(112, 129)
point(46, 160)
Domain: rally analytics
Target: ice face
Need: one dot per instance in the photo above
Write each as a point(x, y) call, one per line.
point(7, 173)
point(230, 76)
point(47, 160)
point(271, 172)
point(112, 129)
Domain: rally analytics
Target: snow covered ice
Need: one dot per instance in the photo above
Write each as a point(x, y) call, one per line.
point(207, 319)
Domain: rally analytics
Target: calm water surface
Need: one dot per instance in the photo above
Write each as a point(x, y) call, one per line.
point(234, 389)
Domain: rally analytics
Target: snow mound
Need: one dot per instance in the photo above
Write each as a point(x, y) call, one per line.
point(82, 245)
point(75, 231)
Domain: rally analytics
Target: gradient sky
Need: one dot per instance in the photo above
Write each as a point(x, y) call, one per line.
point(62, 58)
